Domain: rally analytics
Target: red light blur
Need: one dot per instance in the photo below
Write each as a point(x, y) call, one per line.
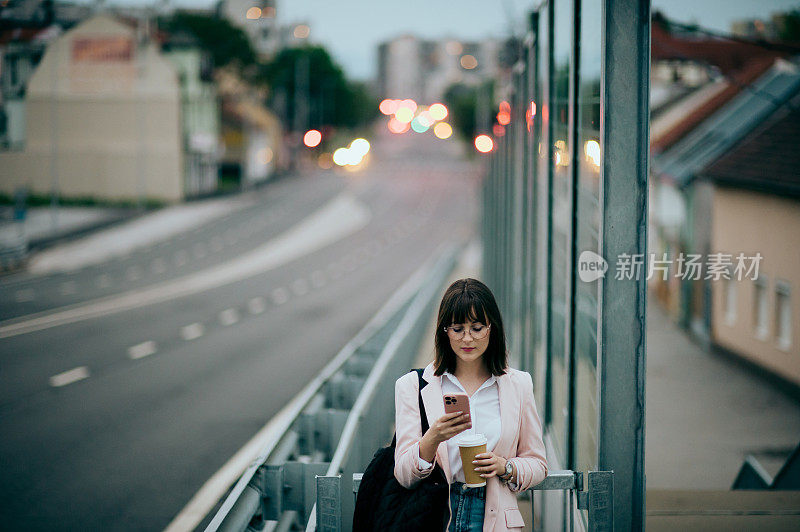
point(529, 114)
point(398, 127)
point(498, 130)
point(312, 138)
point(388, 106)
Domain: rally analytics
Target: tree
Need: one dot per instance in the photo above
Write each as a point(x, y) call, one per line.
point(332, 100)
point(226, 43)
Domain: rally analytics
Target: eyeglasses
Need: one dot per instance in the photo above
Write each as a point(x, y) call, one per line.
point(478, 331)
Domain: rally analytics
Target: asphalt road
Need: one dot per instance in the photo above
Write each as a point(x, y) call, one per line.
point(160, 396)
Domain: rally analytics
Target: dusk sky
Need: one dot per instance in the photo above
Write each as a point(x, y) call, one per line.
point(351, 29)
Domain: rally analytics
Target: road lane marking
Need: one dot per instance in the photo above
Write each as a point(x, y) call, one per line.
point(318, 279)
point(229, 316)
point(24, 295)
point(193, 331)
point(341, 217)
point(280, 296)
point(145, 349)
point(256, 305)
point(68, 377)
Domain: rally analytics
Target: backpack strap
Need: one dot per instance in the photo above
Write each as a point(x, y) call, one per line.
point(422, 415)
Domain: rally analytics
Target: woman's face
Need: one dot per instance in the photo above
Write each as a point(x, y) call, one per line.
point(468, 348)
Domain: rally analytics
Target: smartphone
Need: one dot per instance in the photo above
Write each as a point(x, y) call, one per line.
point(456, 403)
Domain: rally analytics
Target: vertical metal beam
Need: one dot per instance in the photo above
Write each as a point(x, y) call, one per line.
point(329, 503)
point(622, 303)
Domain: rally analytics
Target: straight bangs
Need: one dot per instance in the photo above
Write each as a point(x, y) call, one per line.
point(465, 307)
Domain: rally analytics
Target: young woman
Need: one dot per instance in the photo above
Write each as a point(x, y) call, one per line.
point(471, 358)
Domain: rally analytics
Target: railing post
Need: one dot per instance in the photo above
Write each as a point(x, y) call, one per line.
point(329, 503)
point(601, 501)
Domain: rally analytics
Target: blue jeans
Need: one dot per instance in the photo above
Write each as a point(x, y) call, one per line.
point(466, 507)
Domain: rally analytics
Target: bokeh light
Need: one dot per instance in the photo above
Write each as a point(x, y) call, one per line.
point(253, 13)
point(398, 127)
point(360, 147)
point(265, 155)
point(498, 130)
point(419, 127)
point(301, 31)
point(484, 143)
point(425, 119)
point(404, 114)
point(408, 104)
point(312, 138)
point(504, 116)
point(325, 161)
point(268, 12)
point(442, 130)
point(438, 111)
point(468, 62)
point(592, 151)
point(341, 156)
point(388, 106)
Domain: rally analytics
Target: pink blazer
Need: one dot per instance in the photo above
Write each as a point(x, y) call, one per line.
point(520, 438)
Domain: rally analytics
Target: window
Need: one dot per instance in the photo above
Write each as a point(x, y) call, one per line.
point(783, 315)
point(730, 301)
point(760, 318)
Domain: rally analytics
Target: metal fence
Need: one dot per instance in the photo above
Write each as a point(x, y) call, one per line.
point(342, 416)
point(596, 499)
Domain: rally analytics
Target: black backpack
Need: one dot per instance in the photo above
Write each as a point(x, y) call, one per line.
point(383, 504)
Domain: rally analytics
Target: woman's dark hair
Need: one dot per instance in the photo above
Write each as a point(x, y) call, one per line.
point(470, 300)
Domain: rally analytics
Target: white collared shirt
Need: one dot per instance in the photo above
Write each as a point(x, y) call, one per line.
point(484, 407)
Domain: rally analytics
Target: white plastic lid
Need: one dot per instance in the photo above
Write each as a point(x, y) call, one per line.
point(470, 440)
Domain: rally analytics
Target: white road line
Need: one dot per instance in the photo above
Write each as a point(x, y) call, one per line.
point(256, 305)
point(280, 296)
point(26, 294)
point(318, 279)
point(193, 331)
point(300, 287)
point(229, 316)
point(68, 377)
point(145, 349)
point(341, 217)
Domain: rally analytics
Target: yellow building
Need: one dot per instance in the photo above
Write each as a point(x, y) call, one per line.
point(103, 119)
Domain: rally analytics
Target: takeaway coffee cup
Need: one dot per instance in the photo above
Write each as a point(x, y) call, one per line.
point(470, 445)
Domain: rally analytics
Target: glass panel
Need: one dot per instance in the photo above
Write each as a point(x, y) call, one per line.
point(561, 220)
point(589, 218)
point(542, 163)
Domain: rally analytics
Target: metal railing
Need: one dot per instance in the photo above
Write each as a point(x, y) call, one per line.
point(331, 429)
point(597, 499)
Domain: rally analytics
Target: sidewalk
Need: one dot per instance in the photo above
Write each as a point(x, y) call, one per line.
point(102, 242)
